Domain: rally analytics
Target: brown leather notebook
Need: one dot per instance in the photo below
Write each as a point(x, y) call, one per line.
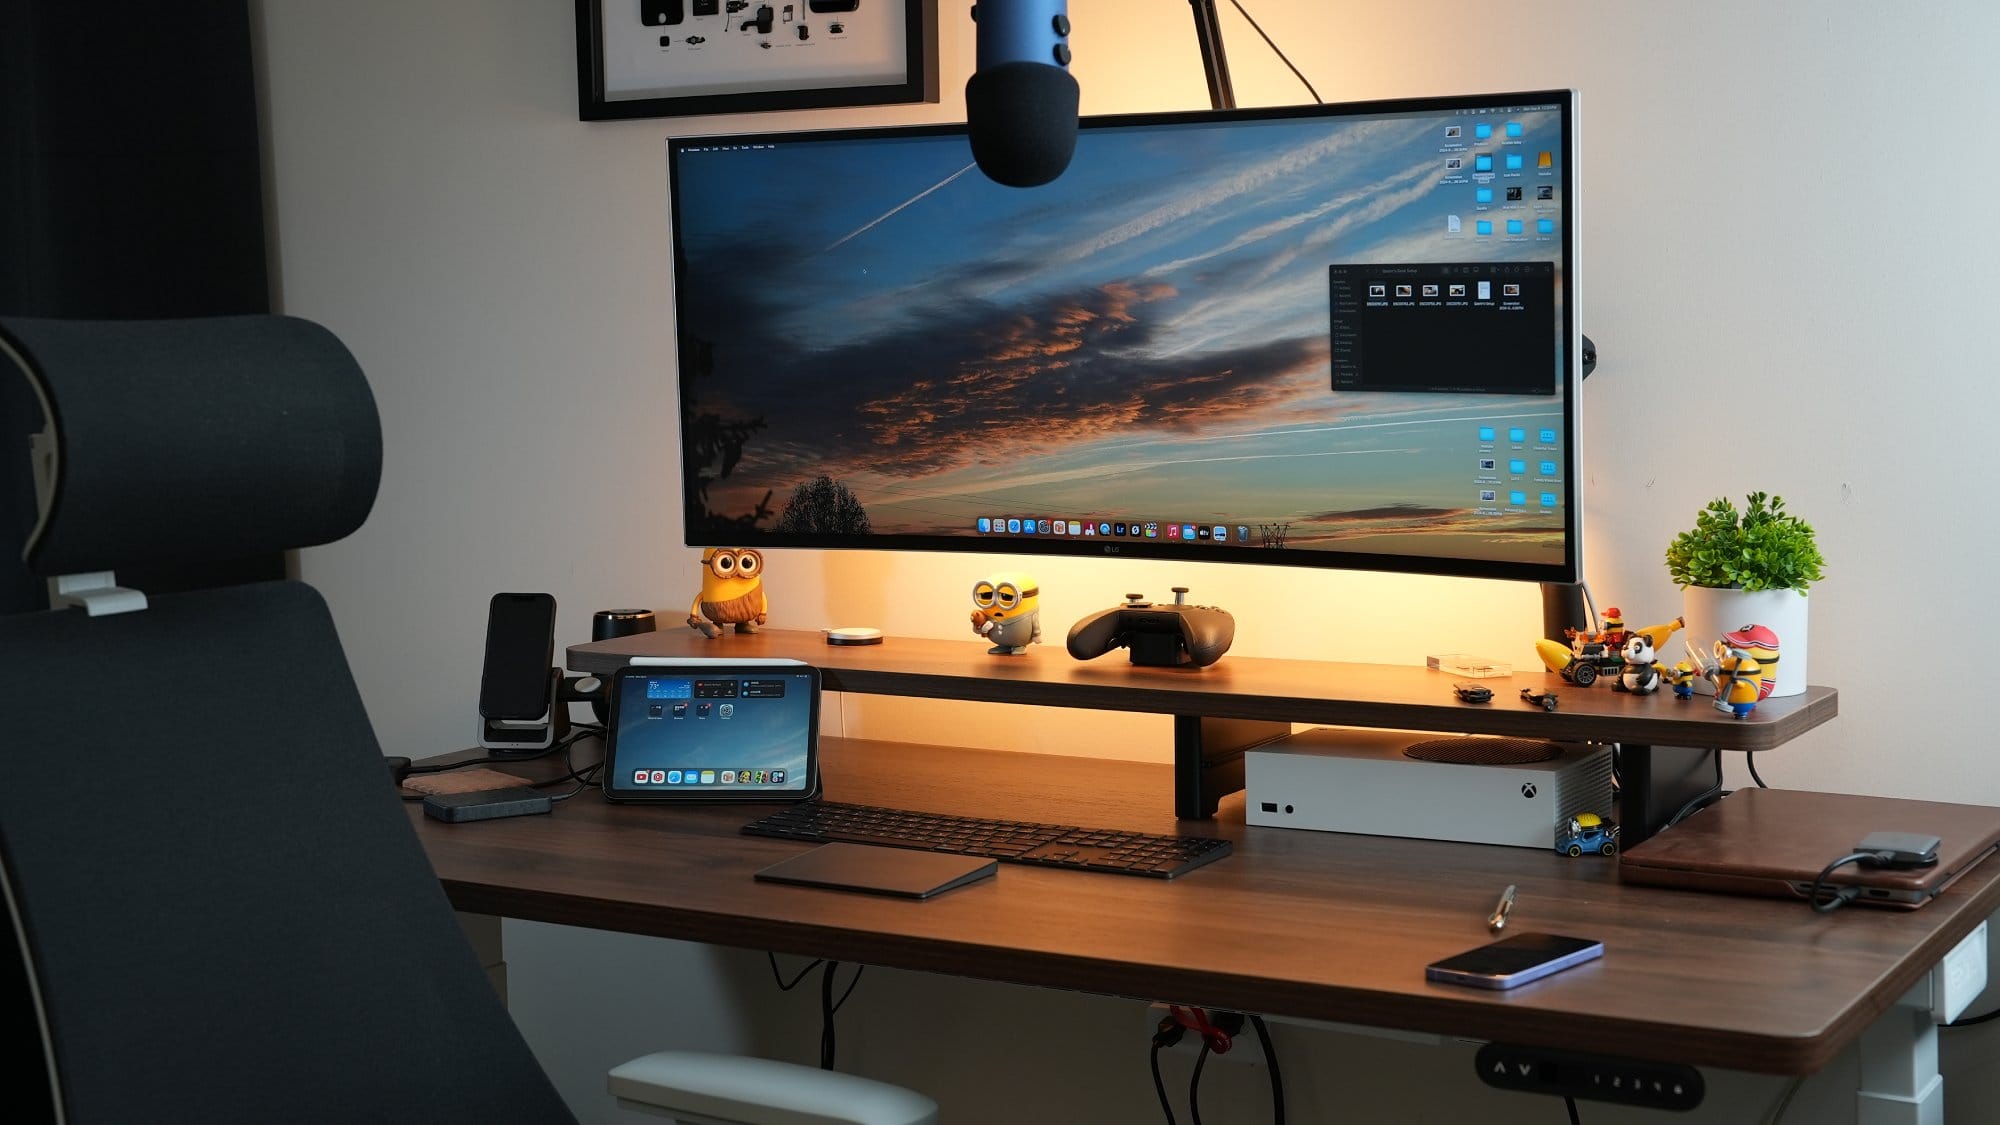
point(1775, 842)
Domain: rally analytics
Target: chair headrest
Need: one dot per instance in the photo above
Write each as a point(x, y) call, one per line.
point(180, 440)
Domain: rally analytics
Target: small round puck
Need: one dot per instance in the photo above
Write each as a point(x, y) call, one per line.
point(854, 635)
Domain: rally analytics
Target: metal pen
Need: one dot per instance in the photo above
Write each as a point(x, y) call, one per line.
point(1497, 920)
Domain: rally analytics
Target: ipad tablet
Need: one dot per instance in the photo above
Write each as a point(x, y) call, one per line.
point(715, 731)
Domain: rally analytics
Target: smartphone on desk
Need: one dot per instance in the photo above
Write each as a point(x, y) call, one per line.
point(1514, 961)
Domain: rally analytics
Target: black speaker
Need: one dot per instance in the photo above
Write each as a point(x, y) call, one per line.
point(606, 624)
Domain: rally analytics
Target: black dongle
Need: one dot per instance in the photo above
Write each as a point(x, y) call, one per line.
point(488, 804)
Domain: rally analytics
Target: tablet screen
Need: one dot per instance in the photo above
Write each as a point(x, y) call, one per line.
point(713, 732)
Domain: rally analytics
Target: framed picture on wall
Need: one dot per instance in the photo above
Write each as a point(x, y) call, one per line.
point(670, 58)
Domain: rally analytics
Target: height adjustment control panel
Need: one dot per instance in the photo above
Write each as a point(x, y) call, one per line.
point(1603, 1078)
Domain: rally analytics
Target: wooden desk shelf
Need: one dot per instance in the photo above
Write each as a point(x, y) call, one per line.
point(1240, 701)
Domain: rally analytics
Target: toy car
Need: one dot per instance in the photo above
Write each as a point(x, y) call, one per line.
point(1588, 832)
point(1473, 693)
point(1546, 700)
point(1593, 659)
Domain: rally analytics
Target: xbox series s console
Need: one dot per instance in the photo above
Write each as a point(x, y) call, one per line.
point(1340, 779)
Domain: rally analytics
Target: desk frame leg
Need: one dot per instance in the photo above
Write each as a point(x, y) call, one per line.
point(1900, 1083)
point(1208, 759)
point(483, 931)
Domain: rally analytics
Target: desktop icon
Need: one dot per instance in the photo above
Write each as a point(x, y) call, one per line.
point(1482, 195)
point(639, 777)
point(1545, 160)
point(680, 710)
point(657, 777)
point(1487, 495)
point(1485, 432)
point(656, 710)
point(1481, 132)
point(1545, 191)
point(1517, 498)
point(1487, 464)
point(1014, 526)
point(1061, 527)
point(1513, 195)
point(703, 710)
point(1457, 289)
point(985, 524)
point(1204, 532)
point(1513, 128)
point(1451, 132)
point(1513, 162)
point(729, 777)
point(1485, 227)
point(708, 777)
point(1221, 534)
point(1545, 226)
point(1075, 528)
point(1451, 224)
point(1378, 291)
point(777, 777)
point(1135, 531)
point(726, 710)
point(673, 777)
point(1117, 529)
point(1513, 226)
point(1548, 499)
point(1173, 531)
point(1511, 289)
point(1404, 291)
point(1455, 164)
point(1548, 468)
point(1104, 529)
point(1517, 434)
point(1548, 436)
point(1517, 467)
point(1090, 529)
point(1486, 294)
point(1042, 526)
point(1243, 533)
point(1430, 290)
point(1482, 163)
point(1152, 530)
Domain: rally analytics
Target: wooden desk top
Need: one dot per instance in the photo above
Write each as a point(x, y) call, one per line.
point(1314, 925)
point(1241, 687)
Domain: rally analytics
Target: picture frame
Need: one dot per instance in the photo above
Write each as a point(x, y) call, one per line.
point(669, 58)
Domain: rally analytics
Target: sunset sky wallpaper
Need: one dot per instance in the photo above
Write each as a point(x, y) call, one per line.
point(1144, 339)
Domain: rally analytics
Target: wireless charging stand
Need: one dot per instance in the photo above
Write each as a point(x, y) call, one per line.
point(528, 736)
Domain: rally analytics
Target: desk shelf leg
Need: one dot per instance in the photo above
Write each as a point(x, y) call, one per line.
point(1208, 759)
point(483, 931)
point(1900, 1083)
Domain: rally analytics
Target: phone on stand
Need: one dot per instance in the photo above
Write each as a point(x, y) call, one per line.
point(1514, 961)
point(516, 696)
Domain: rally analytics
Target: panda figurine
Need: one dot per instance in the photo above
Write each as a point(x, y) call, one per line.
point(1642, 672)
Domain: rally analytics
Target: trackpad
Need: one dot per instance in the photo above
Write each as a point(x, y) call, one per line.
point(884, 871)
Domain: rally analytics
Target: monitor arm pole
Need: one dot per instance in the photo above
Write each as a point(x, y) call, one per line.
point(1214, 63)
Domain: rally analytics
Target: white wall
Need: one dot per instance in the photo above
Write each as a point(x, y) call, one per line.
point(1787, 247)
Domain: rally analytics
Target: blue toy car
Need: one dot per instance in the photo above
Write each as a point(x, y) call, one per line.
point(1588, 832)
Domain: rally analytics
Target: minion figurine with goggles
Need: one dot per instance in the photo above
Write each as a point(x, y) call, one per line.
point(732, 592)
point(1007, 610)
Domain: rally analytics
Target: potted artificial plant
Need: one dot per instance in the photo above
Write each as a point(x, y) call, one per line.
point(1748, 568)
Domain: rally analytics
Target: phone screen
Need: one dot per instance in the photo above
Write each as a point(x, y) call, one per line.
point(520, 650)
point(1514, 960)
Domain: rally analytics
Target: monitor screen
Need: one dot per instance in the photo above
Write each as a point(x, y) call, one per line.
point(1326, 336)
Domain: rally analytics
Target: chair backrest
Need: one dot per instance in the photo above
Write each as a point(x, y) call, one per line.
point(225, 913)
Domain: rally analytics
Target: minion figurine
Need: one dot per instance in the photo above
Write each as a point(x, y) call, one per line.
point(1007, 610)
point(1737, 678)
point(1681, 679)
point(732, 592)
point(1761, 642)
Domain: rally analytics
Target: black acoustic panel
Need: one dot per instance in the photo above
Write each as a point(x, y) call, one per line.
point(130, 188)
point(194, 440)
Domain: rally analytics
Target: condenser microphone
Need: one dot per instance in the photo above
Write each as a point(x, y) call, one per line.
point(1020, 104)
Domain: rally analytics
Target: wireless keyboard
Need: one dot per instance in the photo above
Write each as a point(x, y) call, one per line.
point(1012, 841)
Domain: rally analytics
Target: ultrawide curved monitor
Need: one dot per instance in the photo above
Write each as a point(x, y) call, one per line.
point(1335, 336)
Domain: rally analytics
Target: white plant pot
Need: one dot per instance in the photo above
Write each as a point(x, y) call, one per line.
point(1711, 612)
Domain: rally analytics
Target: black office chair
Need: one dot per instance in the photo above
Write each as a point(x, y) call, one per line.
point(223, 909)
